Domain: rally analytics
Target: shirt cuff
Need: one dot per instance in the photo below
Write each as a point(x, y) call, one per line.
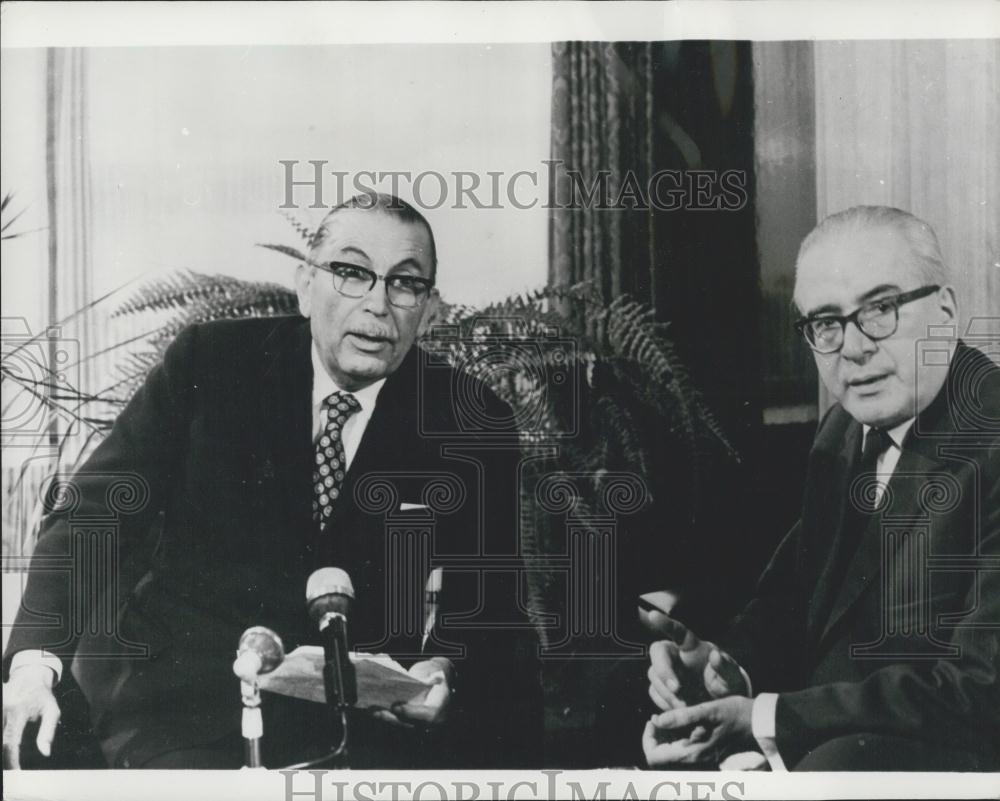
point(763, 721)
point(36, 657)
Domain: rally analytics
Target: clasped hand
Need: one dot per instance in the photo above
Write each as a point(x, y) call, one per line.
point(702, 693)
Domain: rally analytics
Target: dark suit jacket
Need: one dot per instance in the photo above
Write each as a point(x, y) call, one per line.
point(221, 435)
point(908, 643)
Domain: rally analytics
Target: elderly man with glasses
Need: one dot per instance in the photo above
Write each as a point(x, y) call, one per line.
point(255, 439)
point(873, 640)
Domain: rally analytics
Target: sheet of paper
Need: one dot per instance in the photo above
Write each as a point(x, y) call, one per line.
point(381, 680)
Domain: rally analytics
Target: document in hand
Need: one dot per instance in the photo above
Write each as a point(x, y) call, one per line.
point(382, 681)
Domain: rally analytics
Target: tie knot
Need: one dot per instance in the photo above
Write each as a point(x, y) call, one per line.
point(340, 406)
point(877, 442)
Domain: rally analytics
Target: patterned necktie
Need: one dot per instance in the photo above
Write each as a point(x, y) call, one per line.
point(328, 475)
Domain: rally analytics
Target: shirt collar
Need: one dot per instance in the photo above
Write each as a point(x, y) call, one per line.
point(324, 386)
point(897, 433)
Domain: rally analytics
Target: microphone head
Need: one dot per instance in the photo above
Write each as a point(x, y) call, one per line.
point(260, 651)
point(329, 589)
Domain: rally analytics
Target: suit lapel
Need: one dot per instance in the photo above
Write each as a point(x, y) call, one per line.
point(828, 519)
point(286, 404)
point(920, 458)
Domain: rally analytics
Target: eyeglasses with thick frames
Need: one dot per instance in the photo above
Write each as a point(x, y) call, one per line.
point(877, 320)
point(404, 291)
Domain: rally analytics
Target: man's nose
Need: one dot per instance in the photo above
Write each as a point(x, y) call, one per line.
point(377, 299)
point(857, 345)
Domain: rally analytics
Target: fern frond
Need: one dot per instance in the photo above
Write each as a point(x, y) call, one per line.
point(285, 249)
point(308, 236)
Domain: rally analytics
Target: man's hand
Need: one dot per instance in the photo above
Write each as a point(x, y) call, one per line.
point(684, 669)
point(699, 735)
point(433, 710)
point(27, 697)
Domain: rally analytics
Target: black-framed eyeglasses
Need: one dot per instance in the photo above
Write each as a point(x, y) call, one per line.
point(404, 291)
point(877, 320)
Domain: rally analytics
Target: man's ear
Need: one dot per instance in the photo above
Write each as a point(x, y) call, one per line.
point(429, 311)
point(948, 304)
point(304, 275)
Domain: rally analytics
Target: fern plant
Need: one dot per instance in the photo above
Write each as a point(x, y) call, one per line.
point(624, 403)
point(625, 396)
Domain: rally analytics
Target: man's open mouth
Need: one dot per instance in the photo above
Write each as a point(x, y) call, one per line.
point(371, 339)
point(867, 381)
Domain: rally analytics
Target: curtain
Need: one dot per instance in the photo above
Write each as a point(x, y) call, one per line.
point(656, 118)
point(67, 335)
point(914, 124)
point(602, 110)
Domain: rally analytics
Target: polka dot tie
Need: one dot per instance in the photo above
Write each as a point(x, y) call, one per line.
point(329, 464)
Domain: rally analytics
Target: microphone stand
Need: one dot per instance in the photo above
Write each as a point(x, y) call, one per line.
point(340, 684)
point(252, 724)
point(339, 678)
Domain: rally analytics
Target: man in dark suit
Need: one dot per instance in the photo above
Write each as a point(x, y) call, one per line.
point(873, 642)
point(269, 448)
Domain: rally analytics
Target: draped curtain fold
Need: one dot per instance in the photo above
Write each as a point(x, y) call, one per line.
point(68, 287)
point(913, 124)
point(71, 277)
point(602, 113)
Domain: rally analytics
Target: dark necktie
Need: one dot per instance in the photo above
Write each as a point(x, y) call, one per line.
point(860, 504)
point(330, 464)
point(876, 443)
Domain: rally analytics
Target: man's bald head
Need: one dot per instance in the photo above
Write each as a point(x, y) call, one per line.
point(927, 262)
point(380, 203)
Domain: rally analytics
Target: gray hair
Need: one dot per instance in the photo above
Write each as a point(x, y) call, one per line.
point(919, 235)
point(383, 203)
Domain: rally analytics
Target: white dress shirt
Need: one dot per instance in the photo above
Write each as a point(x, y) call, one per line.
point(354, 429)
point(765, 706)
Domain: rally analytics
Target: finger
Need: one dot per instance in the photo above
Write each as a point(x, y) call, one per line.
point(435, 665)
point(683, 717)
point(415, 713)
point(665, 704)
point(13, 729)
point(663, 658)
point(699, 734)
point(11, 756)
point(658, 752)
point(649, 739)
point(665, 626)
point(659, 687)
point(723, 675)
point(47, 727)
point(437, 699)
point(649, 744)
point(663, 753)
point(386, 716)
point(427, 671)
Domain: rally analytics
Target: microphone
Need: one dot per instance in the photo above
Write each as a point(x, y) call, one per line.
point(329, 595)
point(260, 651)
